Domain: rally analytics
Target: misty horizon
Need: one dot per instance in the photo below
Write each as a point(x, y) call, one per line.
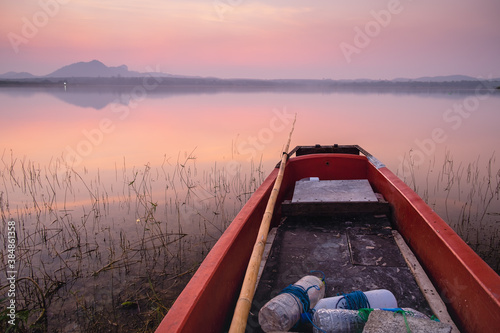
point(97, 69)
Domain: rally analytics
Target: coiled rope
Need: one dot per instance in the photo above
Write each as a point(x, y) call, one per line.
point(354, 301)
point(300, 295)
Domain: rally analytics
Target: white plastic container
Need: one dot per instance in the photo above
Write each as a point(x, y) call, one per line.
point(284, 310)
point(337, 321)
point(380, 298)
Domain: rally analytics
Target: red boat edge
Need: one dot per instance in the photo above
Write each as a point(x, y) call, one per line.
point(212, 291)
point(467, 285)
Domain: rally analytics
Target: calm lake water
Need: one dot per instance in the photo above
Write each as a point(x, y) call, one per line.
point(117, 195)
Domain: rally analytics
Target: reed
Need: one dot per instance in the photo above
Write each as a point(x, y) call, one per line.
point(109, 250)
point(467, 196)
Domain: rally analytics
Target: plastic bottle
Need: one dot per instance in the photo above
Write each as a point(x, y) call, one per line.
point(284, 310)
point(337, 321)
point(380, 298)
point(347, 321)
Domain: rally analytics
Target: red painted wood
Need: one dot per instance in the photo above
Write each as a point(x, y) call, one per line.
point(470, 288)
point(326, 167)
point(212, 291)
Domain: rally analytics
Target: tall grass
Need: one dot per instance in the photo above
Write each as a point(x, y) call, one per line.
point(466, 196)
point(109, 250)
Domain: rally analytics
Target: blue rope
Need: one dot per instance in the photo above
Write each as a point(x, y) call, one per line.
point(354, 301)
point(392, 309)
point(323, 279)
point(307, 317)
point(301, 294)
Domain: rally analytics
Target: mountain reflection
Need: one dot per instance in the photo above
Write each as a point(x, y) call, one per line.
point(99, 97)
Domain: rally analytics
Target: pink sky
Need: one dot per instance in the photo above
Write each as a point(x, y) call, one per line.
point(257, 39)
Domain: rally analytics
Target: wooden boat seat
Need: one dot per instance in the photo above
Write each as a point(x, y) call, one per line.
point(327, 197)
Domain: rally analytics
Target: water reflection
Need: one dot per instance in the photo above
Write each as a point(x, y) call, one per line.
point(101, 96)
point(134, 190)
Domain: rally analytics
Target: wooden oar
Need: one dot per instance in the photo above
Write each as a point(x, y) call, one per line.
point(240, 317)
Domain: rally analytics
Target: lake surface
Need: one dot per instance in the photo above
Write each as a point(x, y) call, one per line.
point(119, 193)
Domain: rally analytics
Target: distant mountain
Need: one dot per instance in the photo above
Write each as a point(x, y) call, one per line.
point(96, 69)
point(93, 68)
point(446, 78)
point(17, 75)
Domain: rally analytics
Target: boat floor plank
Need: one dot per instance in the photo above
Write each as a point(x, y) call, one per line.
point(355, 252)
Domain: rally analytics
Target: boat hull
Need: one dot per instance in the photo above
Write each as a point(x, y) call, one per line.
point(468, 286)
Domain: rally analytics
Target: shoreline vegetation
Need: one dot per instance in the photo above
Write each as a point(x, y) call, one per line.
point(466, 196)
point(325, 85)
point(110, 250)
point(107, 90)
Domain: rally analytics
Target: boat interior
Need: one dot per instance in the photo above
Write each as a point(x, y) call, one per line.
point(340, 230)
point(355, 251)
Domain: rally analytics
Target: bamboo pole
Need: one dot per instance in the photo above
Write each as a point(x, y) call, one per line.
point(240, 317)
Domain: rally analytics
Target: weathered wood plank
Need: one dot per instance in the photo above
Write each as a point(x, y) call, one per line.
point(346, 190)
point(430, 293)
point(331, 208)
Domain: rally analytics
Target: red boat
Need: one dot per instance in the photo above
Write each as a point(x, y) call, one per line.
point(469, 288)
